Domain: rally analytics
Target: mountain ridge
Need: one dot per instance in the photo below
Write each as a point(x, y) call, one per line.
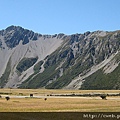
point(33, 60)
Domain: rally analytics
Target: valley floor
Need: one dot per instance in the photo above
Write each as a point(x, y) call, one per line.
point(20, 101)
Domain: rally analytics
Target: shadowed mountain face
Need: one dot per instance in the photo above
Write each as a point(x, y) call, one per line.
point(78, 61)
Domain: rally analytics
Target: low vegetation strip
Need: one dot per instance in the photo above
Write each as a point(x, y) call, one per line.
point(87, 95)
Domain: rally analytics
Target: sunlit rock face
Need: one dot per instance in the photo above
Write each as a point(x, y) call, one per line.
point(77, 61)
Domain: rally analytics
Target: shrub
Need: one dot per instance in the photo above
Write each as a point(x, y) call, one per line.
point(45, 99)
point(103, 96)
point(7, 98)
point(31, 95)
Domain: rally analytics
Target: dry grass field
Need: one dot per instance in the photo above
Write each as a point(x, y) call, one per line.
point(57, 104)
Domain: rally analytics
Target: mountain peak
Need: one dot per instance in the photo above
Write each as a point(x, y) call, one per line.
point(59, 61)
point(14, 34)
point(12, 27)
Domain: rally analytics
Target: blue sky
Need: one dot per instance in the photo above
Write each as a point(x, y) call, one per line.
point(61, 16)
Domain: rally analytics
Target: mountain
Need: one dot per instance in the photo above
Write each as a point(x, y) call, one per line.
point(78, 61)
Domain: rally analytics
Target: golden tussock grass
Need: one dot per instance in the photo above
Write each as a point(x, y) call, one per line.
point(81, 104)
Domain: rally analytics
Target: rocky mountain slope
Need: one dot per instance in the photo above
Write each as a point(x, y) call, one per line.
point(79, 61)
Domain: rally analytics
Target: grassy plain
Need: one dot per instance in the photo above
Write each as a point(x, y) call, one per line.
point(57, 104)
